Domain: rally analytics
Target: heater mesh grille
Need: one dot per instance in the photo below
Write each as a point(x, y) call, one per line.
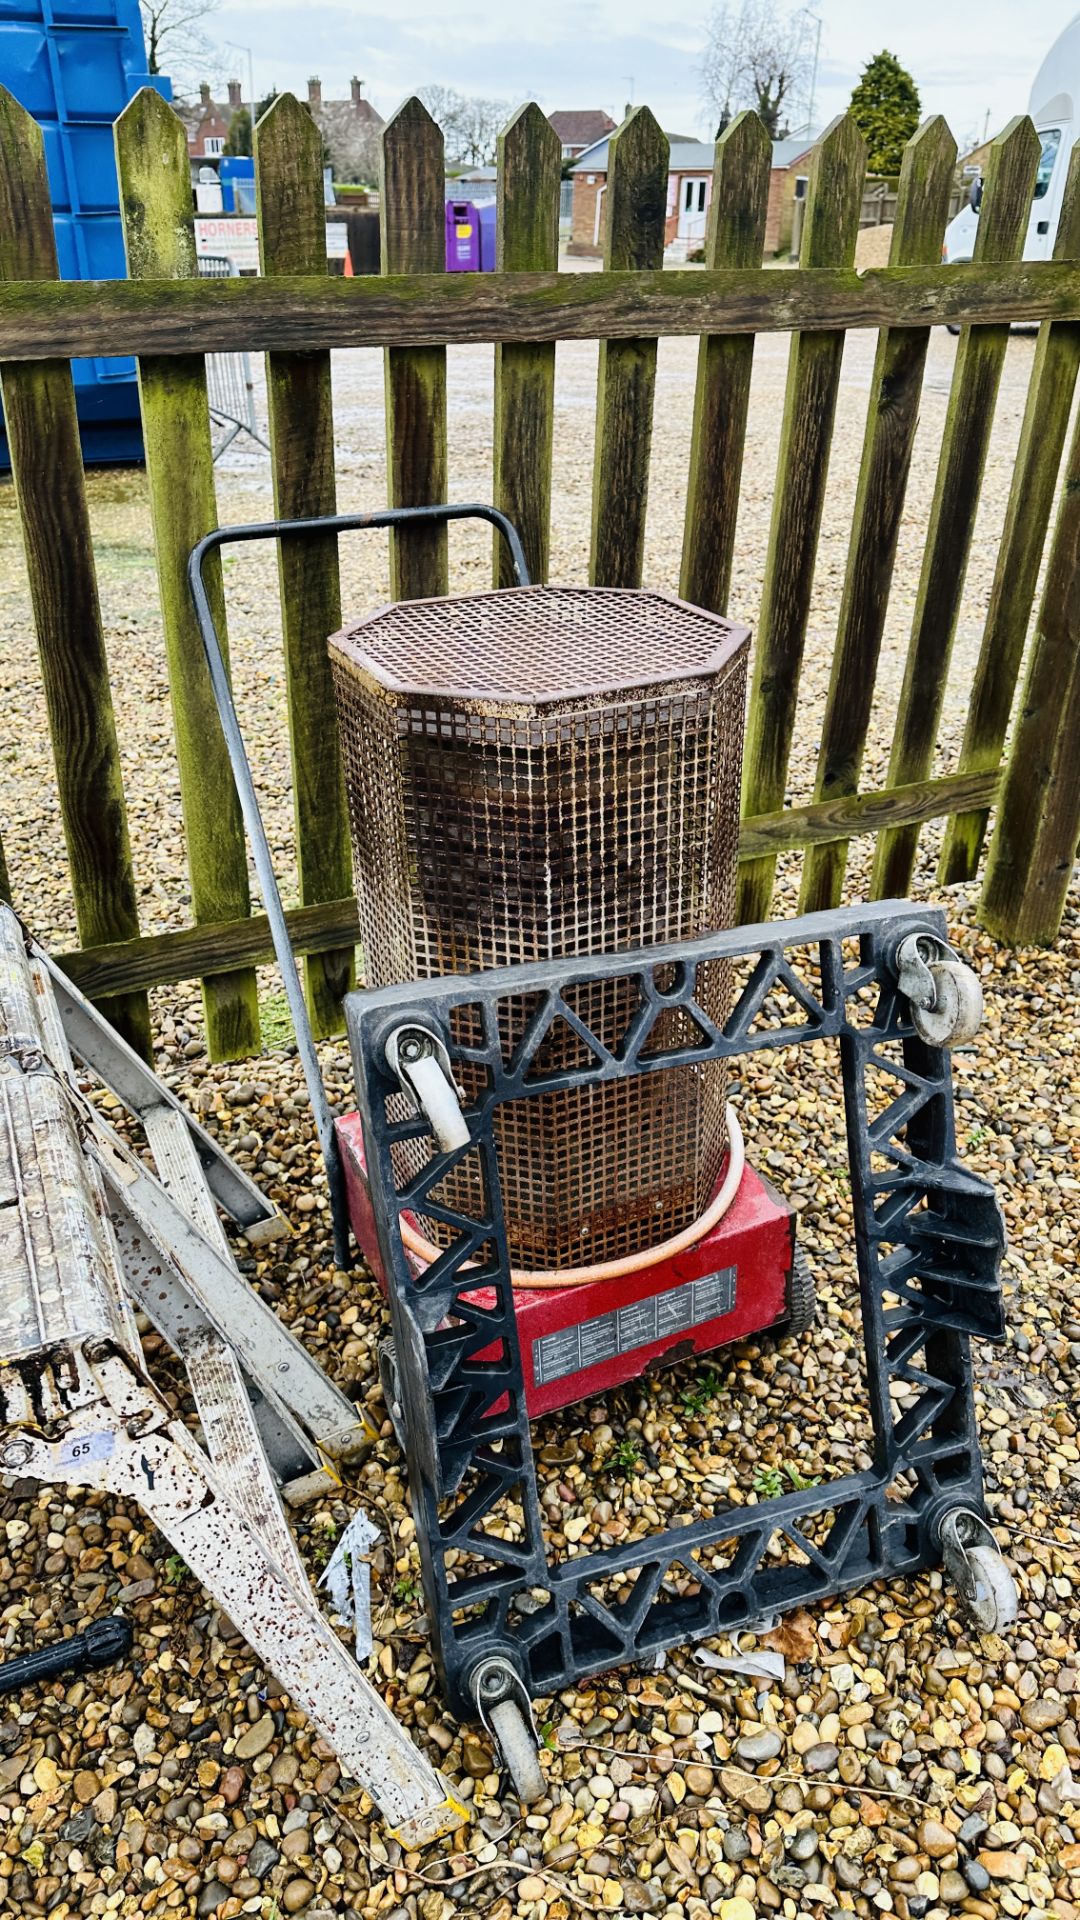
point(578, 794)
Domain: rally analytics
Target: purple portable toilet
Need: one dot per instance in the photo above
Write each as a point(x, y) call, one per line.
point(462, 237)
point(488, 215)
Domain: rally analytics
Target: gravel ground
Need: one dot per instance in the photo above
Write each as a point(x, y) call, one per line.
point(904, 1765)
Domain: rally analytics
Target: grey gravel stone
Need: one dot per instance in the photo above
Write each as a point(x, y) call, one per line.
point(262, 1857)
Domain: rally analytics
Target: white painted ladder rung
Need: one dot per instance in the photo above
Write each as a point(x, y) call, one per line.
point(232, 1439)
point(59, 1055)
point(179, 1171)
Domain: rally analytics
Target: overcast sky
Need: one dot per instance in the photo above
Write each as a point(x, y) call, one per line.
point(968, 62)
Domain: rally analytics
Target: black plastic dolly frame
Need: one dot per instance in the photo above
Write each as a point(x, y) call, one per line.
point(506, 1623)
point(928, 1239)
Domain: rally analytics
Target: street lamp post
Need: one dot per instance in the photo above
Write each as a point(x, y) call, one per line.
point(813, 70)
point(236, 48)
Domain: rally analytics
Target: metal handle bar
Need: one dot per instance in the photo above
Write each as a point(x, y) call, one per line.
point(245, 786)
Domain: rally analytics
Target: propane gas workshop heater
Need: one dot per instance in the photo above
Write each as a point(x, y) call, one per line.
point(539, 774)
point(544, 794)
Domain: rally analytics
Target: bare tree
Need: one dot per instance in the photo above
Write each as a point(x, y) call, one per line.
point(481, 123)
point(471, 124)
point(444, 106)
point(756, 55)
point(351, 143)
point(176, 39)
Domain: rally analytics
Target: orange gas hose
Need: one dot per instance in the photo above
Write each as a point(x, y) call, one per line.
point(426, 1250)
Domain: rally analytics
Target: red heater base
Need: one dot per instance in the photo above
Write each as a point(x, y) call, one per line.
point(578, 1341)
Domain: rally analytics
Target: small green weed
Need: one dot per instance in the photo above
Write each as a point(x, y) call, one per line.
point(176, 1570)
point(697, 1394)
point(769, 1481)
point(406, 1589)
point(978, 1137)
point(324, 1536)
point(800, 1481)
point(275, 1022)
point(625, 1457)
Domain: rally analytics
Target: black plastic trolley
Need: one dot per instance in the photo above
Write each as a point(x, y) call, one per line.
point(508, 1625)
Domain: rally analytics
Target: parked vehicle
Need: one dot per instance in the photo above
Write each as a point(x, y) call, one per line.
point(1052, 104)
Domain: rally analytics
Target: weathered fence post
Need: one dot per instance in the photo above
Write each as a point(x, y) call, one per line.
point(169, 314)
point(527, 238)
point(980, 355)
point(895, 391)
point(46, 460)
point(736, 238)
point(155, 199)
point(1033, 847)
point(634, 240)
point(1031, 500)
point(292, 239)
point(829, 233)
point(413, 240)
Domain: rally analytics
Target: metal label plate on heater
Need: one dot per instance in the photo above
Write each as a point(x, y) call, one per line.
point(643, 1322)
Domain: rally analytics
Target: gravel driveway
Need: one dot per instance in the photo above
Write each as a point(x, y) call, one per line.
point(904, 1765)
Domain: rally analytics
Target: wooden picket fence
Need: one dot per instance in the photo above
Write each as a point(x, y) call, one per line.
point(296, 313)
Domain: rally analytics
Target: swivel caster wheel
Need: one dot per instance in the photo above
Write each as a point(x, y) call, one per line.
point(506, 1711)
point(956, 1014)
point(995, 1603)
point(944, 995)
point(517, 1749)
point(973, 1562)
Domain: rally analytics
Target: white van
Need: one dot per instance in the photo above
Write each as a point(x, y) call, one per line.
point(1052, 106)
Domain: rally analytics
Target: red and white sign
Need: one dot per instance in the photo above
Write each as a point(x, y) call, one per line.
point(235, 237)
point(228, 236)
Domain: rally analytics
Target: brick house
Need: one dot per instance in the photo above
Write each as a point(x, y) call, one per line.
point(206, 123)
point(689, 194)
point(580, 127)
point(350, 130)
point(787, 183)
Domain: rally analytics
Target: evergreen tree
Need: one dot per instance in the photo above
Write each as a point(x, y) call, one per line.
point(885, 106)
point(239, 135)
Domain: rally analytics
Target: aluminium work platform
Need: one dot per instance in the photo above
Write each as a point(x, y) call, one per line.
point(88, 1235)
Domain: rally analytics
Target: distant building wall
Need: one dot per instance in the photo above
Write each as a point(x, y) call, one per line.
point(585, 237)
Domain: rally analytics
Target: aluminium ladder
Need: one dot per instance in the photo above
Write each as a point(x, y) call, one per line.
point(89, 1235)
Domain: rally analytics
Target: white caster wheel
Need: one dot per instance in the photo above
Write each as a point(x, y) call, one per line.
point(956, 1014)
point(995, 1603)
point(506, 1711)
point(977, 1570)
point(517, 1749)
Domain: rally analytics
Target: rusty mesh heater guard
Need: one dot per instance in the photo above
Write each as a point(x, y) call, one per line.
point(538, 773)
